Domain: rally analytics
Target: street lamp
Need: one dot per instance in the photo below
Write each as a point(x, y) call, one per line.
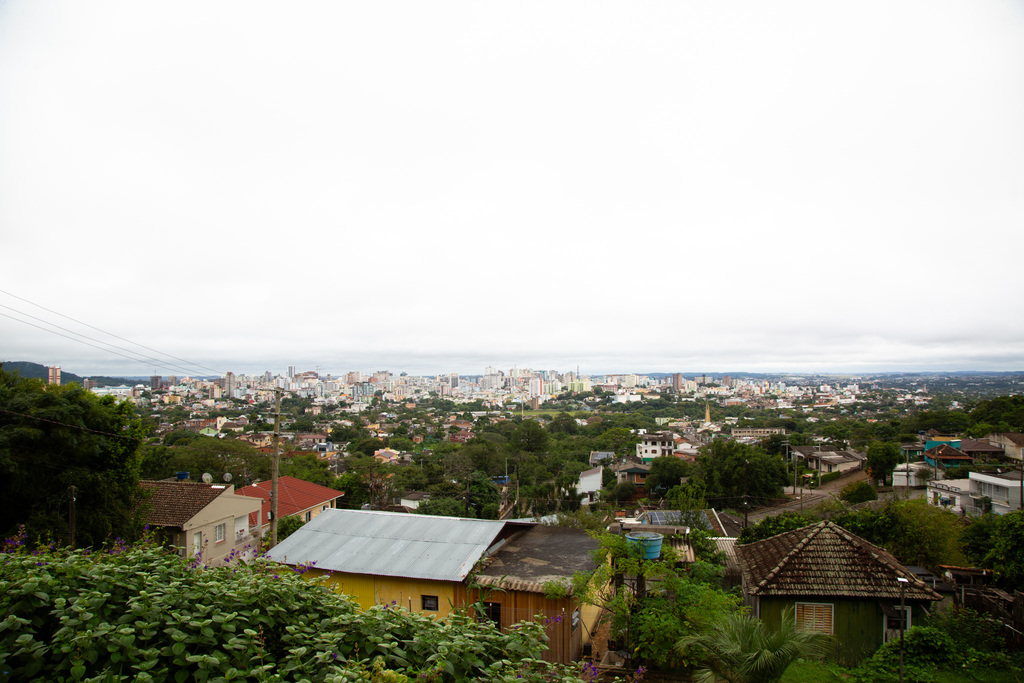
point(903, 618)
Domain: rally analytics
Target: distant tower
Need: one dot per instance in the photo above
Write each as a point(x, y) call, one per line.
point(454, 379)
point(677, 382)
point(707, 412)
point(291, 370)
point(154, 382)
point(53, 375)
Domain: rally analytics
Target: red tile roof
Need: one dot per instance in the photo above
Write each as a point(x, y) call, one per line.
point(294, 496)
point(825, 560)
point(175, 502)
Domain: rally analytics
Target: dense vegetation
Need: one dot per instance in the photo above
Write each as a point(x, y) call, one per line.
point(140, 613)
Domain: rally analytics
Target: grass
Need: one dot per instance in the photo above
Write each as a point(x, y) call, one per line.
point(818, 672)
point(807, 671)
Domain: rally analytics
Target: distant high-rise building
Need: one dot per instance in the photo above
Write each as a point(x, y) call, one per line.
point(155, 381)
point(677, 382)
point(455, 380)
point(88, 384)
point(172, 381)
point(291, 370)
point(229, 384)
point(53, 375)
point(727, 381)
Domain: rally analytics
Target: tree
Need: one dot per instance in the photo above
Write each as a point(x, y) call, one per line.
point(741, 649)
point(288, 526)
point(530, 437)
point(666, 472)
point(1005, 556)
point(307, 467)
point(53, 438)
point(734, 473)
point(883, 456)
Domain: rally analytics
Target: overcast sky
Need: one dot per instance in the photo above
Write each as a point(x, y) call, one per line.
point(442, 186)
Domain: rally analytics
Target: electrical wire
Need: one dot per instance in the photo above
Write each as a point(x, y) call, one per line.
point(156, 361)
point(110, 334)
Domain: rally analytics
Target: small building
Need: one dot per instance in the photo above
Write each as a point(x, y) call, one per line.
point(632, 473)
point(952, 494)
point(590, 484)
point(997, 492)
point(295, 498)
point(425, 563)
point(944, 456)
point(835, 583)
point(207, 519)
point(655, 445)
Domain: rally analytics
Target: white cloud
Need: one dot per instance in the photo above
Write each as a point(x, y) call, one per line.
point(789, 185)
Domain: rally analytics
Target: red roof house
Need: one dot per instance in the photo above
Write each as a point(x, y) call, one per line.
point(295, 497)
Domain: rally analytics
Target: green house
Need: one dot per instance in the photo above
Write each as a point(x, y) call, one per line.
point(834, 582)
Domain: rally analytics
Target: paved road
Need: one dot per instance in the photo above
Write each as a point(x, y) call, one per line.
point(808, 498)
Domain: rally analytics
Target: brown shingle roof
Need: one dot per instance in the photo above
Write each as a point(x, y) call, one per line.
point(175, 502)
point(825, 560)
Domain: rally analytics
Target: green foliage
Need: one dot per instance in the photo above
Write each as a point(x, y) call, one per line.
point(882, 459)
point(733, 472)
point(913, 531)
point(212, 455)
point(969, 630)
point(666, 473)
point(1005, 413)
point(141, 614)
point(55, 437)
point(1005, 554)
point(286, 526)
point(776, 524)
point(858, 492)
point(740, 648)
point(529, 437)
point(307, 467)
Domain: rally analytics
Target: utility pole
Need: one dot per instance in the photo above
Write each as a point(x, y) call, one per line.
point(71, 517)
point(275, 466)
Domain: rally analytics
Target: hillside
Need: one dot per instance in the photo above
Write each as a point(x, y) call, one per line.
point(36, 371)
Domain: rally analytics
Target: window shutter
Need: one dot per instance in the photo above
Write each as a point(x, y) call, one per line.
point(814, 616)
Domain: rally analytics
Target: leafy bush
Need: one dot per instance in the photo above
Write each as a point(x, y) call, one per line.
point(140, 613)
point(858, 492)
point(926, 649)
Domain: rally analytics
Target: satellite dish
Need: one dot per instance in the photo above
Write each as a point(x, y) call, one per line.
point(227, 476)
point(207, 477)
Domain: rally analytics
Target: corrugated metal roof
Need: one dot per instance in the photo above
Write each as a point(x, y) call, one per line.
point(390, 544)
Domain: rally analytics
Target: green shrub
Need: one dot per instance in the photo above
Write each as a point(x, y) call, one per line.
point(139, 613)
point(858, 492)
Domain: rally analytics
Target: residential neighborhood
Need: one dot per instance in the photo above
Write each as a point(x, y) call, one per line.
point(599, 509)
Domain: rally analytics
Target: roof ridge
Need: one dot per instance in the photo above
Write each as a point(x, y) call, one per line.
point(811, 533)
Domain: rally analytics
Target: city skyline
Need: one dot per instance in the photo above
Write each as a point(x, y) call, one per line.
point(786, 187)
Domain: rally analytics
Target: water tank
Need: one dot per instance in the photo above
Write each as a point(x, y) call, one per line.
point(649, 543)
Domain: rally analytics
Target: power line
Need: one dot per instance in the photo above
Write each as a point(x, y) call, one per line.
point(110, 334)
point(46, 322)
point(64, 424)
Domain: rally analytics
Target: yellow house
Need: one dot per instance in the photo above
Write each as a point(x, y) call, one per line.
point(434, 565)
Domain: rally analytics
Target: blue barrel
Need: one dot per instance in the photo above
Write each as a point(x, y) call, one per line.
point(648, 542)
point(181, 475)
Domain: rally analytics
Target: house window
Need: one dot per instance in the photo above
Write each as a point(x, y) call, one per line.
point(218, 533)
point(197, 542)
point(428, 603)
point(814, 616)
point(309, 515)
point(493, 612)
point(893, 622)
